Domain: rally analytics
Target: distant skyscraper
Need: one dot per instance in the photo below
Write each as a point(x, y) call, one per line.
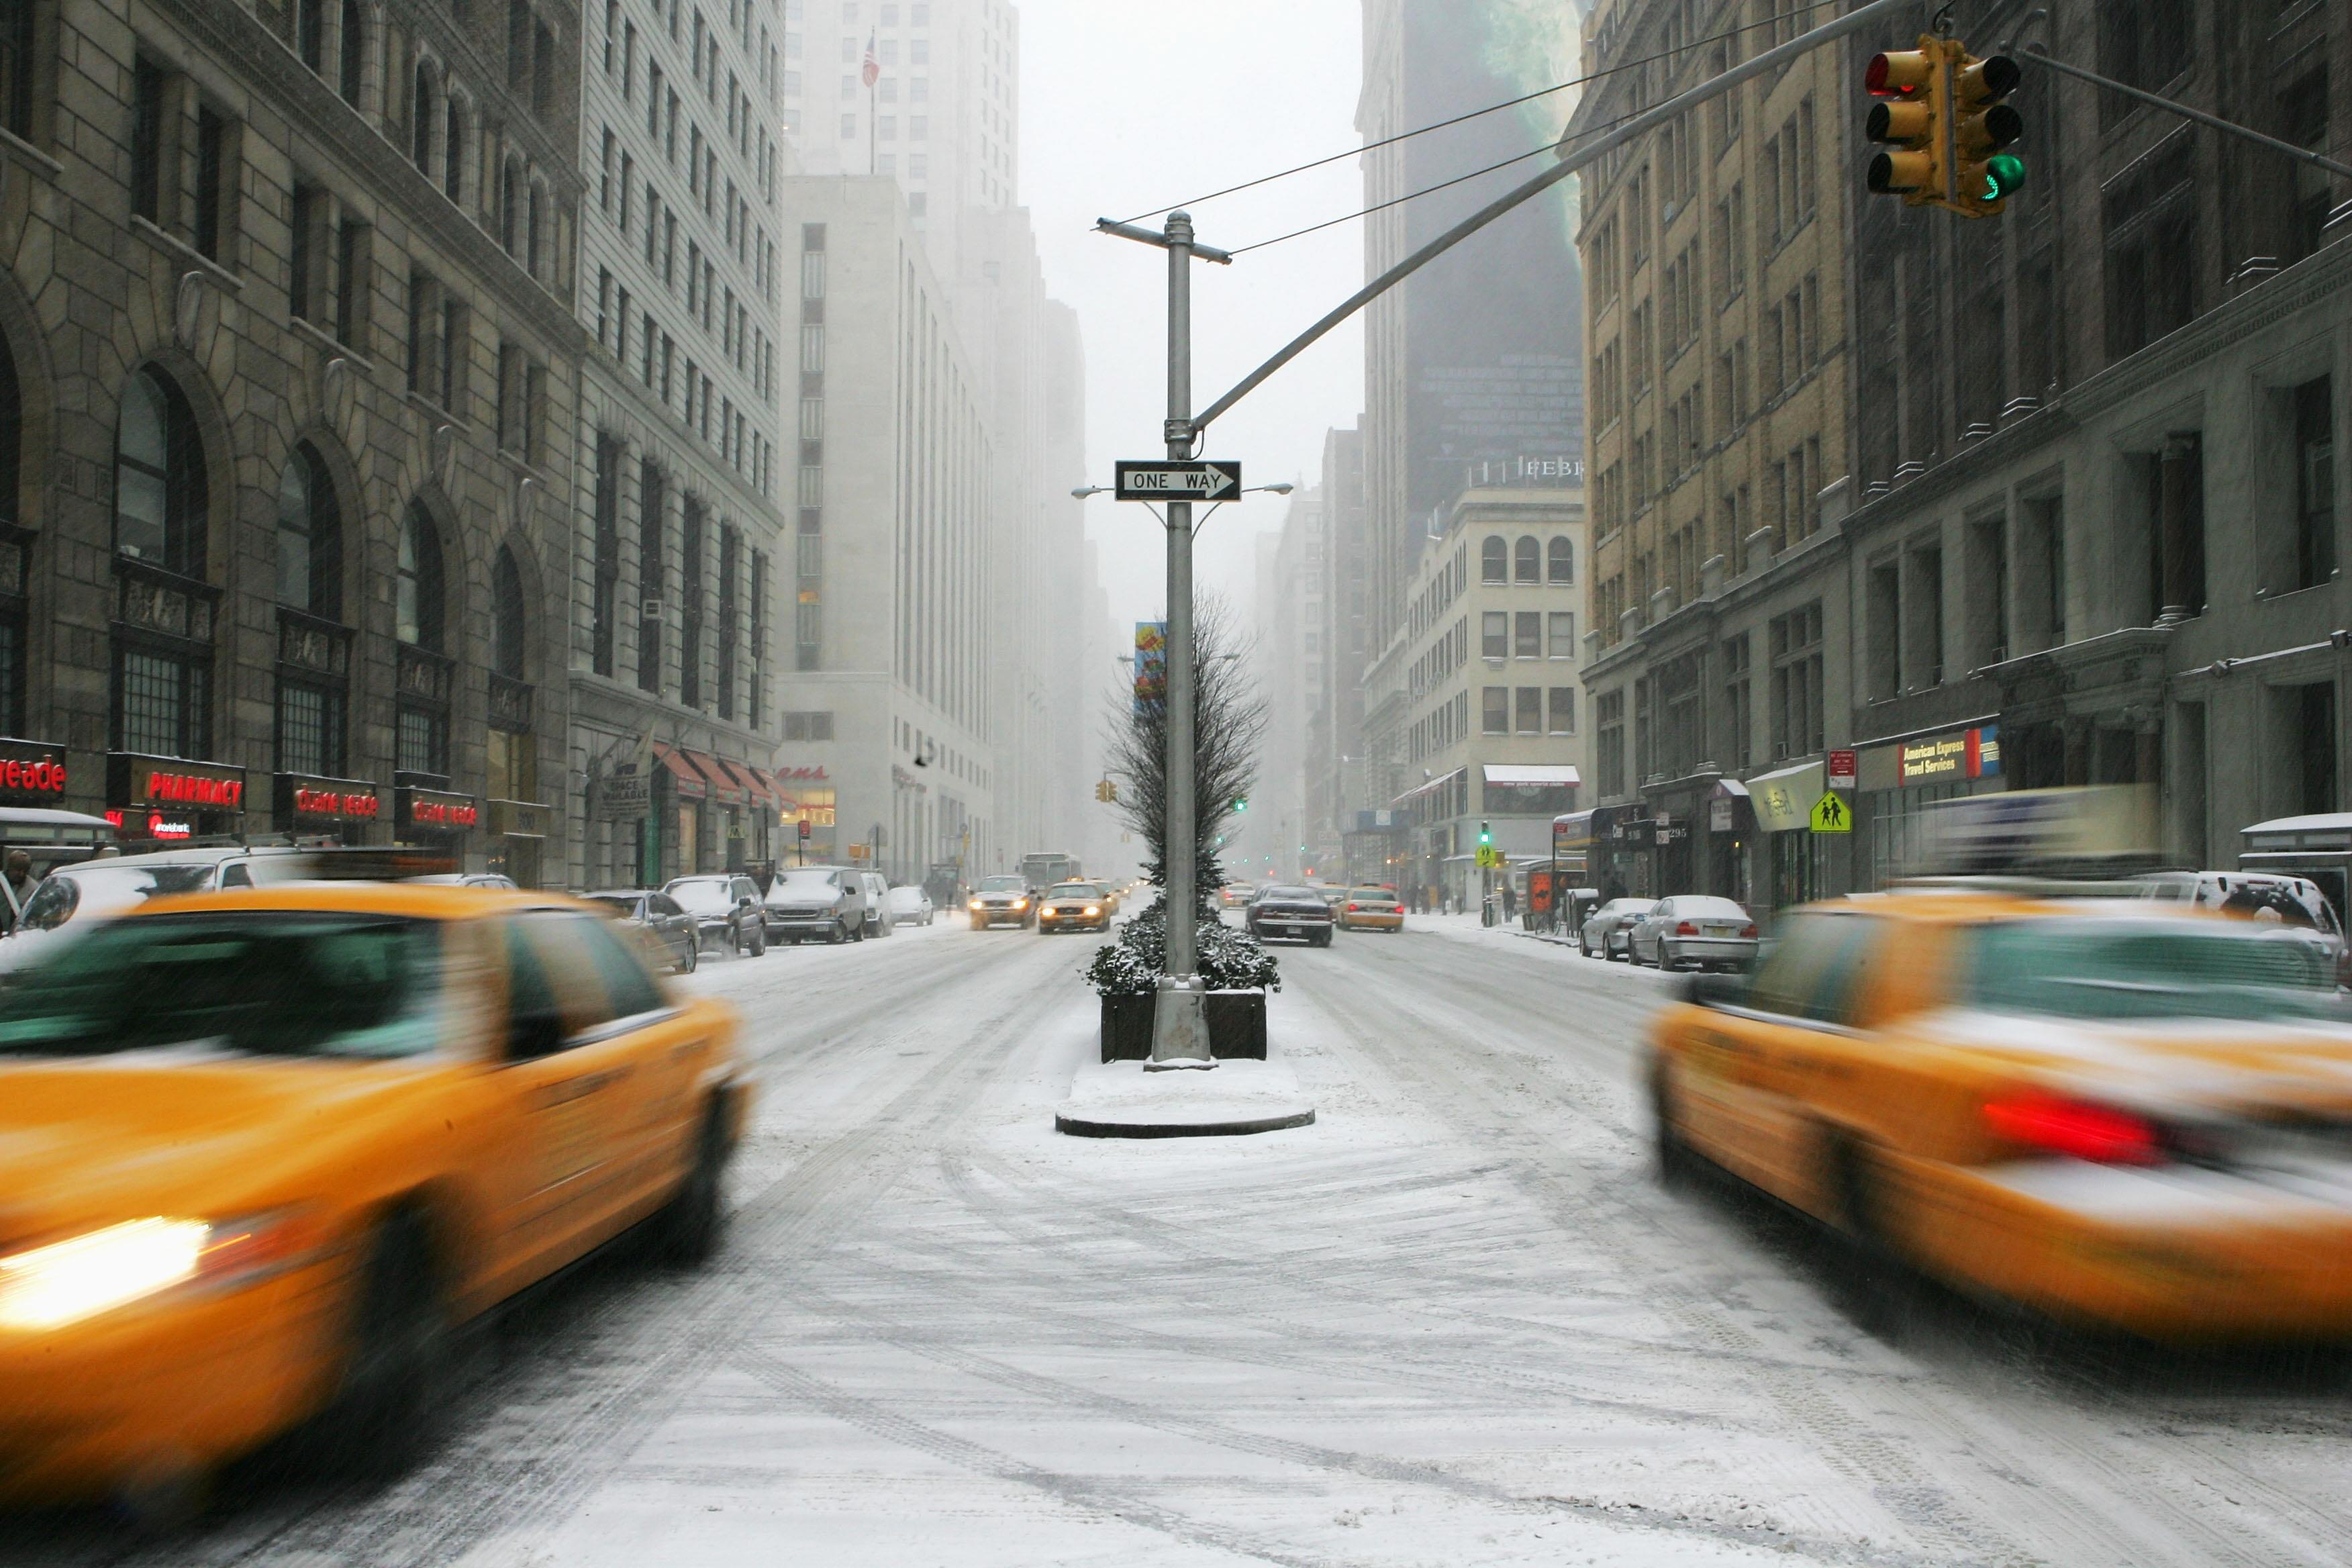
point(1471, 367)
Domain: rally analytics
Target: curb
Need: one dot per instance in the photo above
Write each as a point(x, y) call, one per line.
point(1078, 1127)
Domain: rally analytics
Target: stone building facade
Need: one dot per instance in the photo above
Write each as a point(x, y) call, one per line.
point(2097, 523)
point(286, 430)
point(1717, 369)
point(682, 448)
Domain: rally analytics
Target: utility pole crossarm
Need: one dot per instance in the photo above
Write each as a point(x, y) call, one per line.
point(1569, 164)
point(1153, 236)
point(2035, 53)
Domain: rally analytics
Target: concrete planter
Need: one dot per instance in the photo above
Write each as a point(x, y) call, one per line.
point(1236, 1025)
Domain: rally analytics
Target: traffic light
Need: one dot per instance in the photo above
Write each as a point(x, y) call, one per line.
point(1983, 175)
point(1106, 791)
point(1911, 88)
point(1486, 837)
point(1241, 804)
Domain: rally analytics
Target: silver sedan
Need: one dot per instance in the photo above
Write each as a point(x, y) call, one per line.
point(1695, 928)
point(1605, 928)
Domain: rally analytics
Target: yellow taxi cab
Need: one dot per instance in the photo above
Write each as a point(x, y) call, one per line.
point(2112, 1114)
point(263, 1154)
point(1370, 909)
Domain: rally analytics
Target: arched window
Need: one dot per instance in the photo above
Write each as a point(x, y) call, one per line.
point(420, 120)
point(1527, 560)
point(310, 539)
point(162, 697)
point(1494, 560)
point(453, 174)
point(159, 478)
point(510, 205)
point(421, 719)
point(1563, 559)
point(419, 588)
point(507, 616)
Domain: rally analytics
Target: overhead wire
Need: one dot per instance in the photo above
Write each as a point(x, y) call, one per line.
point(1490, 109)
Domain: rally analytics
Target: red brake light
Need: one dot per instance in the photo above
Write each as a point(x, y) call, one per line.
point(1748, 931)
point(1355, 907)
point(2076, 1129)
point(1687, 928)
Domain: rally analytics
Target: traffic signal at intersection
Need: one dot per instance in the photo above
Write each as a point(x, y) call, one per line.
point(1106, 791)
point(1942, 117)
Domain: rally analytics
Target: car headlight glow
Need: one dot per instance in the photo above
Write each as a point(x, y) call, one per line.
point(1020, 903)
point(1094, 909)
point(65, 1281)
point(975, 903)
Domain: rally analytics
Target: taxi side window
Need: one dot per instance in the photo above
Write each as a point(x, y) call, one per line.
point(632, 991)
point(1817, 969)
point(555, 992)
point(534, 1024)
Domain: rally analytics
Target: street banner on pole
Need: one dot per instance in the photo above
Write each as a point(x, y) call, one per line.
point(1150, 665)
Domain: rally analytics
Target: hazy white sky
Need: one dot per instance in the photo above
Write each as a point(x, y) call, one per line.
point(1127, 104)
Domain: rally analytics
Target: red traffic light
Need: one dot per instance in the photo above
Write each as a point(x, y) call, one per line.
point(1898, 73)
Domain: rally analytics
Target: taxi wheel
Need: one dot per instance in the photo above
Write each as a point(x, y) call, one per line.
point(1882, 1292)
point(1676, 1164)
point(402, 1358)
point(690, 1226)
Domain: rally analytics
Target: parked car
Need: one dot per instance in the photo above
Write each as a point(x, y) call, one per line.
point(820, 901)
point(1694, 928)
point(1370, 909)
point(909, 906)
point(874, 895)
point(116, 884)
point(1284, 909)
point(726, 909)
point(466, 879)
point(1005, 899)
point(1605, 928)
point(659, 921)
point(1073, 905)
point(1237, 895)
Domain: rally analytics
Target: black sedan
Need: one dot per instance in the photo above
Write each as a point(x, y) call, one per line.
point(1291, 911)
point(658, 920)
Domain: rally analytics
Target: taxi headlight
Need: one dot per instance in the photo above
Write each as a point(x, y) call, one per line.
point(1020, 903)
point(65, 1281)
point(1094, 909)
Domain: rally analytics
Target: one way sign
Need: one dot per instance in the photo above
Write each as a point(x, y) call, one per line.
point(1178, 481)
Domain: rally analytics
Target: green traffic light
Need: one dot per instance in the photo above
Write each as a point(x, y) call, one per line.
point(2004, 175)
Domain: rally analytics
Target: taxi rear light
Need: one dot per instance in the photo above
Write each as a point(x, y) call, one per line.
point(2076, 1129)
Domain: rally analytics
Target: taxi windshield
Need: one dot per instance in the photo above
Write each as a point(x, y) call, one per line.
point(263, 983)
point(2121, 970)
point(1076, 891)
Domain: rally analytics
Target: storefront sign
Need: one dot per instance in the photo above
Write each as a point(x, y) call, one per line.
point(137, 780)
point(31, 773)
point(623, 796)
point(1950, 757)
point(1719, 816)
point(799, 776)
point(430, 811)
point(332, 800)
point(519, 819)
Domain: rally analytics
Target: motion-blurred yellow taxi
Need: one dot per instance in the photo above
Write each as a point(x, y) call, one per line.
point(2112, 1114)
point(1370, 909)
point(263, 1153)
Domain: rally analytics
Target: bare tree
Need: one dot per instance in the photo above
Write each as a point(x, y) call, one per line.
point(1229, 719)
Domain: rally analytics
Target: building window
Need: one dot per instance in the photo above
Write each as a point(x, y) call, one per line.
point(1610, 754)
point(352, 66)
point(147, 84)
point(215, 184)
point(1496, 709)
point(1494, 560)
point(2315, 483)
point(1527, 635)
point(421, 729)
point(1563, 634)
point(508, 620)
point(604, 601)
point(1563, 560)
point(1797, 695)
point(1530, 710)
point(653, 500)
point(313, 659)
point(310, 539)
point(1563, 711)
point(689, 596)
point(1527, 560)
point(159, 478)
point(1494, 635)
point(1736, 700)
point(17, 69)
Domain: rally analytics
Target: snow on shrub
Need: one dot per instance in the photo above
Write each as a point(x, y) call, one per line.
point(1231, 960)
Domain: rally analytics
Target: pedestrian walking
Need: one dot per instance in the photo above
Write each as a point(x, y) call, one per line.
point(1510, 901)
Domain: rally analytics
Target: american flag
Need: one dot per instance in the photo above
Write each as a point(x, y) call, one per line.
point(872, 70)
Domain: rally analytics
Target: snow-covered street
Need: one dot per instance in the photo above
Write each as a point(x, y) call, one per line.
point(1455, 1321)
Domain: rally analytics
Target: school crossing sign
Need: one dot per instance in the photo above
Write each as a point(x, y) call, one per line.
point(1832, 815)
